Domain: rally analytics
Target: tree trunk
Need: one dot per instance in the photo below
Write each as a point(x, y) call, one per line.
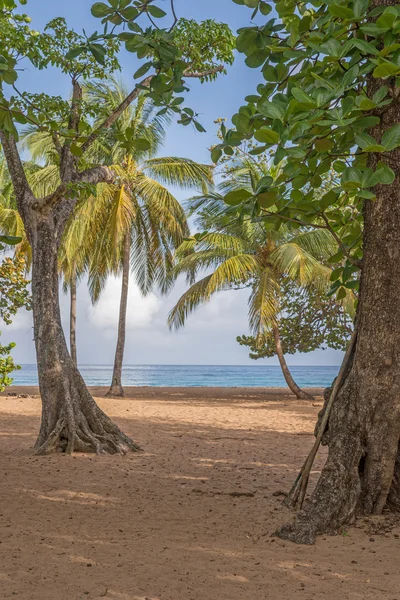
point(71, 420)
point(116, 389)
point(72, 320)
point(362, 472)
point(298, 392)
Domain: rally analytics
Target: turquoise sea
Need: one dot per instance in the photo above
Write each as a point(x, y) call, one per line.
point(195, 375)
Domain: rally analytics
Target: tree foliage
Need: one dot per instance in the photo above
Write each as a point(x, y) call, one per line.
point(318, 113)
point(244, 253)
point(308, 320)
point(13, 296)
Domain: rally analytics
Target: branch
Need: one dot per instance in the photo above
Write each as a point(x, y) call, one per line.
point(56, 142)
point(355, 261)
point(96, 175)
point(199, 75)
point(15, 167)
point(92, 176)
point(68, 161)
point(117, 112)
point(174, 15)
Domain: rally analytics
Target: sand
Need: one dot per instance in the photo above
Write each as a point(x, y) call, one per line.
point(189, 518)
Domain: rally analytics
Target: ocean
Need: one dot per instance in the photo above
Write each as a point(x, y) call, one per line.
point(194, 375)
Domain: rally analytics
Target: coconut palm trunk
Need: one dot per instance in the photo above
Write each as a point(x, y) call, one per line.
point(72, 320)
point(116, 388)
point(297, 391)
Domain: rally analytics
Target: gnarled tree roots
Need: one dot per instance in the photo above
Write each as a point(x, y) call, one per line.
point(76, 432)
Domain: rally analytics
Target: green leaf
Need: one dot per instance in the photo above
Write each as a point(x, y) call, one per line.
point(236, 197)
point(360, 8)
point(340, 11)
point(143, 70)
point(216, 154)
point(251, 3)
point(256, 59)
point(272, 110)
point(391, 137)
point(75, 149)
point(386, 69)
point(341, 293)
point(323, 145)
point(383, 175)
point(301, 96)
point(265, 8)
point(267, 199)
point(141, 144)
point(327, 200)
point(11, 240)
point(199, 127)
point(364, 46)
point(99, 10)
point(98, 52)
point(387, 18)
point(155, 11)
point(266, 135)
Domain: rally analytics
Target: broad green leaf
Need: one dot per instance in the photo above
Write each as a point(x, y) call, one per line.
point(301, 96)
point(267, 199)
point(383, 175)
point(155, 11)
point(391, 137)
point(323, 145)
point(143, 70)
point(99, 10)
point(236, 197)
point(141, 144)
point(386, 69)
point(364, 46)
point(216, 154)
point(266, 135)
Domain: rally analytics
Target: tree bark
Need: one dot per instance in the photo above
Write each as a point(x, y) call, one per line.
point(299, 393)
point(71, 420)
point(362, 472)
point(116, 389)
point(72, 319)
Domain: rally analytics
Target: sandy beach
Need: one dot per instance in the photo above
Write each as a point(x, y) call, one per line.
point(190, 517)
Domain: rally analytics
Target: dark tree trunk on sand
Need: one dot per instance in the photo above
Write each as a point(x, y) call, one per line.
point(72, 319)
point(71, 420)
point(116, 388)
point(285, 369)
point(362, 472)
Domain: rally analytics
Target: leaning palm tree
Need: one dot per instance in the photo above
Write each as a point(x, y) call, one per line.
point(138, 223)
point(247, 254)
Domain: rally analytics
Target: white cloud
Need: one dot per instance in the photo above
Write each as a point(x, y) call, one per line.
point(141, 310)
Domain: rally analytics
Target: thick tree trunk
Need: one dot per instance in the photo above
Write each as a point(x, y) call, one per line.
point(299, 393)
point(362, 472)
point(71, 420)
point(116, 389)
point(72, 319)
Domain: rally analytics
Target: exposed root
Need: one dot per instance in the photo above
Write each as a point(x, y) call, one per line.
point(76, 435)
point(302, 531)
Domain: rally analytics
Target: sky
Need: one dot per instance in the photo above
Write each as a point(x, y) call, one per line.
point(209, 336)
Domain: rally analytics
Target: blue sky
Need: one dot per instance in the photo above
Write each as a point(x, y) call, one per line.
point(210, 334)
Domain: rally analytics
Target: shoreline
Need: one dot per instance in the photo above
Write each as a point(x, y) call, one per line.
point(170, 393)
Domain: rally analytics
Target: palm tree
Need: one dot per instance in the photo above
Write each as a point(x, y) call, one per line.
point(132, 225)
point(138, 223)
point(248, 254)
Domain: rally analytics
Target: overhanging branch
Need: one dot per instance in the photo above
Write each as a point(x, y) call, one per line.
point(114, 116)
point(15, 167)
